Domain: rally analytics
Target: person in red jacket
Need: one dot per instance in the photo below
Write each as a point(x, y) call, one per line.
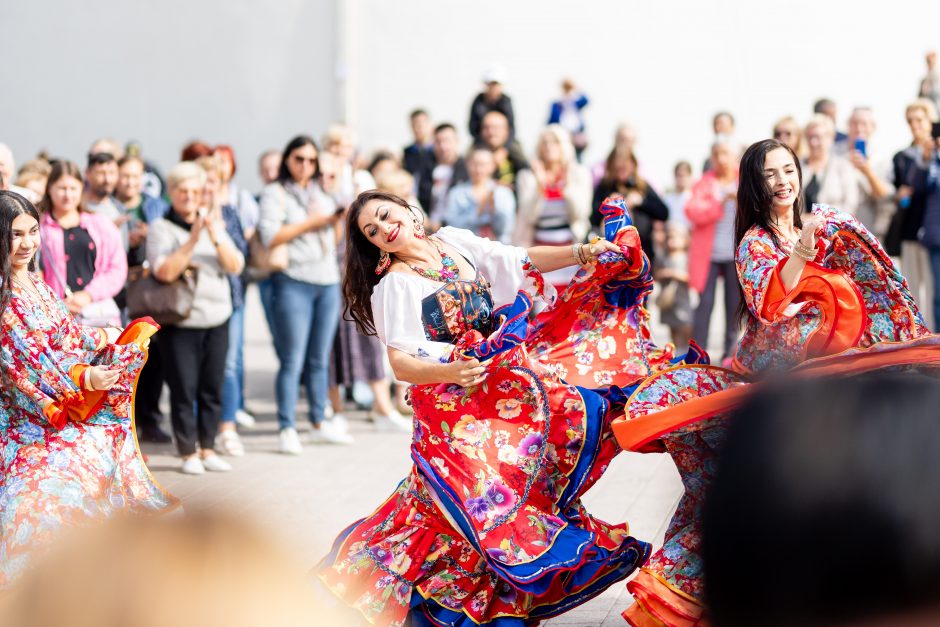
point(711, 210)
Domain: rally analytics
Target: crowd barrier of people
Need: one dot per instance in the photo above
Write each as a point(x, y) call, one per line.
point(119, 241)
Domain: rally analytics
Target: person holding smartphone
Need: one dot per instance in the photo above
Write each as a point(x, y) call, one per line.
point(907, 234)
point(295, 211)
point(925, 184)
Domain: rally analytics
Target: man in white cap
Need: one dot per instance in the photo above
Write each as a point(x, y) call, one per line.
point(491, 98)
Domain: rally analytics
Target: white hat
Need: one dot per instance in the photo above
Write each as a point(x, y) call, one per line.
point(495, 74)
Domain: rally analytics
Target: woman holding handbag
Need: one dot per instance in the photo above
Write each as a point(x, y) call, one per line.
point(295, 211)
point(195, 348)
point(83, 258)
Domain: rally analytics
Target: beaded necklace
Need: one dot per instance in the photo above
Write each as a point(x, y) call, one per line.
point(447, 273)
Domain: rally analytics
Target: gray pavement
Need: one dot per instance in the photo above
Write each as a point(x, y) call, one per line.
point(306, 500)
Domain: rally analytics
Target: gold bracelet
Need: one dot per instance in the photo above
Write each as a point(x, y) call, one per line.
point(803, 251)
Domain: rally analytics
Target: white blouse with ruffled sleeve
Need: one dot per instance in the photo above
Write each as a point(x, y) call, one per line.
point(397, 299)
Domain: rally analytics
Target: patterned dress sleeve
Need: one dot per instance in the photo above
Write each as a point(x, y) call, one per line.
point(40, 374)
point(756, 260)
point(396, 312)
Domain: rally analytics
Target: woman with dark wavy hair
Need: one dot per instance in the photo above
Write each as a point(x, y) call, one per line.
point(512, 413)
point(820, 296)
point(66, 417)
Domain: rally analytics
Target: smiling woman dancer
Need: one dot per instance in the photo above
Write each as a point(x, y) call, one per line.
point(69, 451)
point(820, 297)
point(488, 528)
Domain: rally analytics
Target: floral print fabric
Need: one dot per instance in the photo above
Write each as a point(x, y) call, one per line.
point(51, 477)
point(774, 339)
point(489, 528)
point(890, 314)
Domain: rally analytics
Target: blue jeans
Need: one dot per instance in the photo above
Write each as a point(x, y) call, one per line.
point(306, 317)
point(233, 396)
point(934, 254)
point(266, 292)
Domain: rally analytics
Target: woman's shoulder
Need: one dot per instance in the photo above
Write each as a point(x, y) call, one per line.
point(757, 240)
point(99, 225)
point(398, 284)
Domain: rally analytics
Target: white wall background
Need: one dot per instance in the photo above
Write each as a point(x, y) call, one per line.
point(254, 73)
point(666, 66)
point(244, 72)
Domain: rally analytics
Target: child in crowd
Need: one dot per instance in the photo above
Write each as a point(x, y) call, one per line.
point(673, 300)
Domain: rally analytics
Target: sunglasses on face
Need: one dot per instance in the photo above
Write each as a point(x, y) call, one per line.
point(308, 160)
point(782, 133)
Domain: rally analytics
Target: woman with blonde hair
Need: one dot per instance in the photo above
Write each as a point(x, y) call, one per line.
point(554, 198)
point(787, 130)
point(830, 179)
point(340, 141)
point(196, 346)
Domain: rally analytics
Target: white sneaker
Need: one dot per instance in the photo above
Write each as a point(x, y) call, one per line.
point(329, 433)
point(244, 419)
point(230, 444)
point(216, 464)
point(392, 422)
point(290, 441)
point(339, 422)
point(193, 466)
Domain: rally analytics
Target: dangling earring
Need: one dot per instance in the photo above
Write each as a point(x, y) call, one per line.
point(384, 262)
point(419, 225)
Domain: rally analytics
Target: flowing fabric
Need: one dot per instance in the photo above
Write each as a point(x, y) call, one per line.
point(67, 456)
point(489, 528)
point(850, 312)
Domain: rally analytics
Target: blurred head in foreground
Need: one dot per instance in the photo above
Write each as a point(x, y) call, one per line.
point(196, 570)
point(826, 507)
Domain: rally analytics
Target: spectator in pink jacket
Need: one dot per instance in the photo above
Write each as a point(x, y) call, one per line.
point(83, 258)
point(710, 211)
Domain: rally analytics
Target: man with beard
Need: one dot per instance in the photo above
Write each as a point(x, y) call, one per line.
point(101, 179)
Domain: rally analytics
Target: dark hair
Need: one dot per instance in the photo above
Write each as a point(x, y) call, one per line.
point(416, 113)
point(283, 174)
point(830, 484)
point(100, 158)
point(381, 156)
point(130, 159)
point(822, 104)
point(362, 256)
point(755, 199)
point(443, 127)
point(12, 205)
point(60, 169)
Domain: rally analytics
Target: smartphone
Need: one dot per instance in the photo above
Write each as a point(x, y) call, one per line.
point(935, 130)
point(861, 147)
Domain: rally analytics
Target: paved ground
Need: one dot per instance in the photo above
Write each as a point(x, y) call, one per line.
point(307, 500)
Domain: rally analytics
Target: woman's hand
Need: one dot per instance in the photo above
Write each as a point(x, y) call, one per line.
point(633, 199)
point(599, 246)
point(102, 377)
point(812, 225)
point(77, 301)
point(112, 334)
point(466, 373)
point(196, 229)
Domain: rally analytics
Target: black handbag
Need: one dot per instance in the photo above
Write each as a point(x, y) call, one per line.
point(166, 303)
